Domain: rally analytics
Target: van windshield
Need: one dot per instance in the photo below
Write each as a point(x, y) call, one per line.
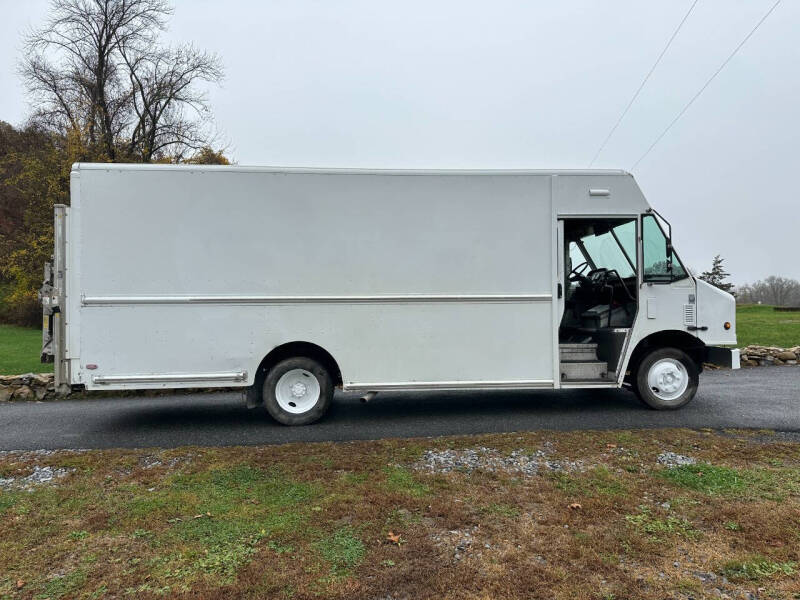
point(610, 245)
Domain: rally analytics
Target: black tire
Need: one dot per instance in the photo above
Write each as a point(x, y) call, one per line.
point(650, 396)
point(309, 367)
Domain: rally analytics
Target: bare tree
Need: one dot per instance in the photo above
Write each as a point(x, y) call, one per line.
point(96, 68)
point(778, 291)
point(164, 90)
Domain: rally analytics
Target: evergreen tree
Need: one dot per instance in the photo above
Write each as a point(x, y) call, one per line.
point(717, 275)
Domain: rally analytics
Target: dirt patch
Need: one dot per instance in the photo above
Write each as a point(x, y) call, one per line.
point(458, 543)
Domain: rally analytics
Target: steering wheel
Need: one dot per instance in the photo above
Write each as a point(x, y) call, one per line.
point(576, 275)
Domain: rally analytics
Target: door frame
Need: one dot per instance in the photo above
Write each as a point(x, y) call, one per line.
point(559, 303)
point(559, 298)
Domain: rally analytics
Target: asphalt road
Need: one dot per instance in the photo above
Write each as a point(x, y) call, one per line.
point(766, 397)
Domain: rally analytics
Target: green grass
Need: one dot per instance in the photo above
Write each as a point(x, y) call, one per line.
point(766, 327)
point(657, 527)
point(343, 550)
point(400, 479)
point(20, 349)
point(66, 585)
point(598, 481)
point(7, 500)
point(502, 510)
point(218, 518)
point(725, 481)
point(757, 568)
point(706, 478)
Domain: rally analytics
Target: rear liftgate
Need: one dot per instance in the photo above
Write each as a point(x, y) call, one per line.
point(52, 296)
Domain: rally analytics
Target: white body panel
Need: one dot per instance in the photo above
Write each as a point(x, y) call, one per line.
point(190, 276)
point(712, 307)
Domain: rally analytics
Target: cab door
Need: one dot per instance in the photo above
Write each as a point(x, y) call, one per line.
point(668, 294)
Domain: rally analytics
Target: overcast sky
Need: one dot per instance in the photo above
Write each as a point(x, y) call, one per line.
point(514, 84)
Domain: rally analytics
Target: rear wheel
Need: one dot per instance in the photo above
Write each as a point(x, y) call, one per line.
point(666, 379)
point(297, 391)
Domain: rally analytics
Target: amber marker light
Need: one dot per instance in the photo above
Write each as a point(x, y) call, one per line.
point(727, 325)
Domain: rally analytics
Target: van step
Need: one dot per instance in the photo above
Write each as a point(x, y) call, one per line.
point(584, 370)
point(577, 352)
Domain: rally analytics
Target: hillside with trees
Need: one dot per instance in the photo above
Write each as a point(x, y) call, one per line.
point(103, 88)
point(776, 291)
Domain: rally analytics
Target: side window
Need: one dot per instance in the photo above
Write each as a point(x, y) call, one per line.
point(654, 249)
point(575, 255)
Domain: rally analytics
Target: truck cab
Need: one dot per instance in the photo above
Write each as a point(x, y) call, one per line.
point(633, 314)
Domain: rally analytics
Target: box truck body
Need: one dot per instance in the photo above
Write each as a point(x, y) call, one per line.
point(196, 276)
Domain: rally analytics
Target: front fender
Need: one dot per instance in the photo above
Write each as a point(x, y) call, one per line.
point(715, 308)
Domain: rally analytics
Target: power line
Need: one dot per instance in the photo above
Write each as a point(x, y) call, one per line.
point(644, 81)
point(706, 84)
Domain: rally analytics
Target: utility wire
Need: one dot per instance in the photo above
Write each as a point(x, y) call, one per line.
point(710, 79)
point(644, 81)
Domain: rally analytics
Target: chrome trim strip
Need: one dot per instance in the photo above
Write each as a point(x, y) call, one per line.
point(171, 378)
point(411, 298)
point(450, 385)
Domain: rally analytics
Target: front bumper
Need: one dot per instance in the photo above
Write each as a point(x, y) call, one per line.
point(723, 357)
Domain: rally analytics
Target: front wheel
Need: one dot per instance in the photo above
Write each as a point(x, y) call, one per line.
point(297, 391)
point(666, 379)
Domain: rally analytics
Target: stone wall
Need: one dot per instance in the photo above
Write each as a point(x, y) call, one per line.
point(31, 386)
point(761, 356)
point(41, 386)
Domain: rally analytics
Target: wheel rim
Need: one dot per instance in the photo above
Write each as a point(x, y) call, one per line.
point(297, 391)
point(668, 379)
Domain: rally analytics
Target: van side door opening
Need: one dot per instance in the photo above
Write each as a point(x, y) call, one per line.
point(600, 296)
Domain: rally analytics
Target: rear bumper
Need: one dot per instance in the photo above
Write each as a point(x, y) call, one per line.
point(723, 357)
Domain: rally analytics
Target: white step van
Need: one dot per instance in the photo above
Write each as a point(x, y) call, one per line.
point(291, 282)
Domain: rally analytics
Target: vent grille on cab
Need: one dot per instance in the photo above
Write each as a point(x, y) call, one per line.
point(689, 315)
